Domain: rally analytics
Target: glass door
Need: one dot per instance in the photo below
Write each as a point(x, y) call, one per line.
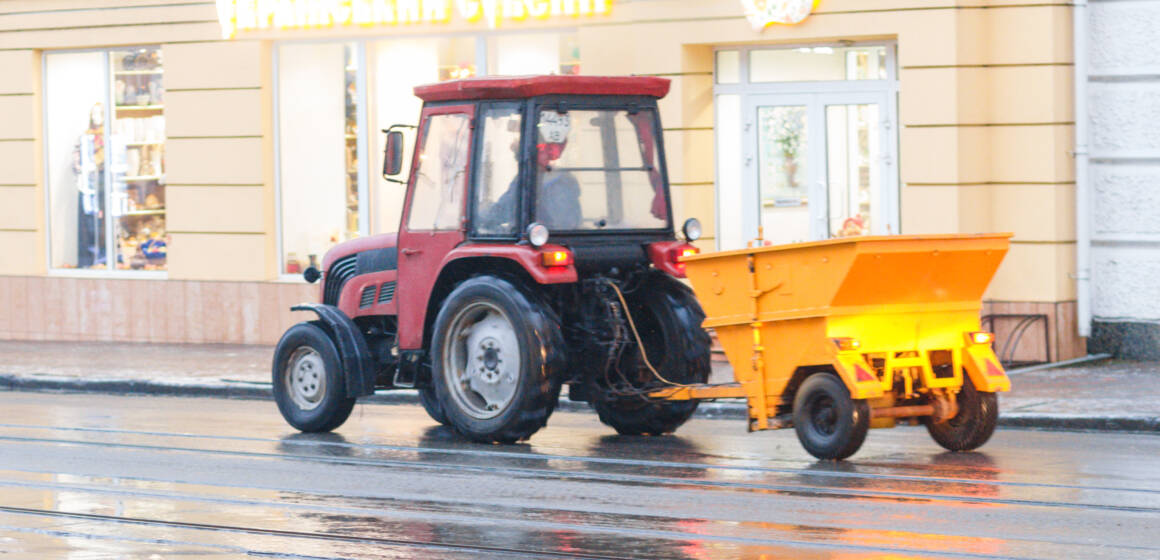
point(817, 166)
point(782, 151)
point(858, 166)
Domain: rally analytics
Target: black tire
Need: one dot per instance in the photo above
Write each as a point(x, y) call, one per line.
point(829, 424)
point(973, 425)
point(431, 404)
point(668, 319)
point(310, 400)
point(529, 392)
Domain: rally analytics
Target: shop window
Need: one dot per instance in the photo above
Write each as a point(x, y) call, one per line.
point(320, 153)
point(533, 53)
point(822, 63)
point(398, 66)
point(105, 150)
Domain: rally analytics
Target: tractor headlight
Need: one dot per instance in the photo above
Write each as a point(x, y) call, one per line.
point(692, 229)
point(538, 234)
point(981, 337)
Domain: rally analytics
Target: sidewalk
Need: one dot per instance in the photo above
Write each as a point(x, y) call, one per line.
point(1107, 395)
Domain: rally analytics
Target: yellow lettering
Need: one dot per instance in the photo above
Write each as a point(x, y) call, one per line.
point(470, 10)
point(514, 10)
point(246, 14)
point(226, 17)
point(437, 11)
point(266, 9)
point(538, 9)
point(492, 12)
point(409, 11)
point(383, 11)
point(563, 7)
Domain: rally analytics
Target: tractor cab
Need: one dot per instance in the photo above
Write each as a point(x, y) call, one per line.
point(574, 161)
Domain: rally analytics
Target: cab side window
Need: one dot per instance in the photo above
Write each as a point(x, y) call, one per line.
point(497, 193)
point(441, 178)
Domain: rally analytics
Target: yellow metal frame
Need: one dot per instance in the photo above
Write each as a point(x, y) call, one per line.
point(779, 309)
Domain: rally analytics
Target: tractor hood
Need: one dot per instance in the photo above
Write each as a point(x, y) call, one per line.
point(355, 246)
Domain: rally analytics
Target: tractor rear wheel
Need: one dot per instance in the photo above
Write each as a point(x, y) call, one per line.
point(668, 319)
point(308, 384)
point(829, 424)
point(496, 361)
point(973, 425)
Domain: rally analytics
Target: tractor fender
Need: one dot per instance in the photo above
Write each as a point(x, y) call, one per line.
point(357, 365)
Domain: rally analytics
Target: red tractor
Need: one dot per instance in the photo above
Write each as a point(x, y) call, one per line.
point(536, 250)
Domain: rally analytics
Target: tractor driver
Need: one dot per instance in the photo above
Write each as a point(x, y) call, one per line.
point(557, 192)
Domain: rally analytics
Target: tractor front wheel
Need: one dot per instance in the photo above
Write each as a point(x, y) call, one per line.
point(829, 424)
point(973, 425)
point(495, 361)
point(308, 383)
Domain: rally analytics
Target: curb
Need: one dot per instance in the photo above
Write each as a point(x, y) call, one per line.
point(720, 410)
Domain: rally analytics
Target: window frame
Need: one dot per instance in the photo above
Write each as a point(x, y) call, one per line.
point(429, 112)
point(628, 103)
point(475, 172)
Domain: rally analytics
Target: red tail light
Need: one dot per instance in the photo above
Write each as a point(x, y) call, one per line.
point(556, 258)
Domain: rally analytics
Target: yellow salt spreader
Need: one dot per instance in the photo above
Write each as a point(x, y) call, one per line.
point(835, 337)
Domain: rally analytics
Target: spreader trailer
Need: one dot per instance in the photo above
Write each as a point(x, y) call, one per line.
point(835, 337)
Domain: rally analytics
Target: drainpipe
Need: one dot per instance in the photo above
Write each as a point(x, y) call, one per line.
point(1082, 184)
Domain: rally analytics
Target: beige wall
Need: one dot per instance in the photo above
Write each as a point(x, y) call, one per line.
point(985, 119)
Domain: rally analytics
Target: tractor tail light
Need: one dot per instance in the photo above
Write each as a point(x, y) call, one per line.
point(981, 337)
point(556, 258)
point(847, 344)
point(677, 253)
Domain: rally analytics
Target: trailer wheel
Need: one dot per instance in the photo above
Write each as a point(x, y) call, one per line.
point(668, 319)
point(829, 424)
point(496, 361)
point(430, 402)
point(307, 382)
point(973, 425)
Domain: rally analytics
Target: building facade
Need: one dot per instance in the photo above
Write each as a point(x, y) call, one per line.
point(167, 168)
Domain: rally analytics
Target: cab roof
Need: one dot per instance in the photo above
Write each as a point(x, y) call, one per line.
point(512, 87)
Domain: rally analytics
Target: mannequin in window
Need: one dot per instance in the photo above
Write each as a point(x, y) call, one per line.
point(89, 171)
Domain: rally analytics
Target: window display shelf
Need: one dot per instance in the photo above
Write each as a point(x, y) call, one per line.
point(140, 178)
point(142, 108)
point(157, 143)
point(138, 72)
point(153, 212)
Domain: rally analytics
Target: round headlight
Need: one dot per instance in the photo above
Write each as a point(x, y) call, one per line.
point(692, 229)
point(538, 234)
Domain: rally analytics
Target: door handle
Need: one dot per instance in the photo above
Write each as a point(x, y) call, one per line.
point(408, 252)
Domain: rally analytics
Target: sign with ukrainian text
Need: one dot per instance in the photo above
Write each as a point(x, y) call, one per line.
point(763, 13)
point(250, 15)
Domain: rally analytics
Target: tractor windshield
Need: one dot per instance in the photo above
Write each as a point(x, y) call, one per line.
point(599, 170)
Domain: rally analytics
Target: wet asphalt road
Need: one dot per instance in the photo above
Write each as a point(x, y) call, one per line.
point(93, 476)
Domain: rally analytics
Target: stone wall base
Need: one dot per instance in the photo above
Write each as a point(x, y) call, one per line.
point(1127, 340)
point(165, 311)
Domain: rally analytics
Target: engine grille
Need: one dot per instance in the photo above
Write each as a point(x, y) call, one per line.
point(342, 270)
point(367, 298)
point(387, 292)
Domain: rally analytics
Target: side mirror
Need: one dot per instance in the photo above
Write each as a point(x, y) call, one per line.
point(393, 153)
